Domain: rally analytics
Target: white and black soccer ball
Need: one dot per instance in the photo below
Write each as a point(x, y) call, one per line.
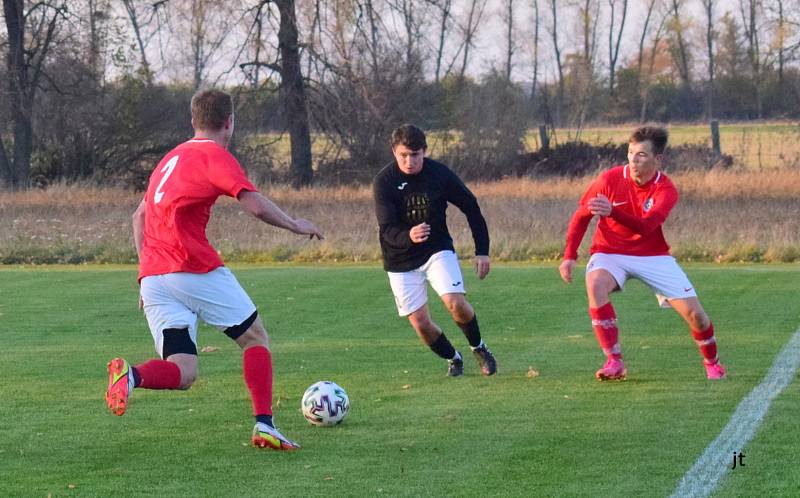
point(325, 403)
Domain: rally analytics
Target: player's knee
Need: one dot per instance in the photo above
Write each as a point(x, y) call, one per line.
point(250, 332)
point(461, 311)
point(188, 377)
point(597, 288)
point(421, 323)
point(698, 319)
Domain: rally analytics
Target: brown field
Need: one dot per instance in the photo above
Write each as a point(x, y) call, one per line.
point(722, 216)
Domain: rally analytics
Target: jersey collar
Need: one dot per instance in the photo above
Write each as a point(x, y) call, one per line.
point(654, 180)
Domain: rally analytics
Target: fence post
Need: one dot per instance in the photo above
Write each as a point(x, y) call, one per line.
point(715, 138)
point(543, 138)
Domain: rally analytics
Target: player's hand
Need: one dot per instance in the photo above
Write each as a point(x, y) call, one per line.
point(141, 302)
point(305, 227)
point(481, 266)
point(599, 205)
point(565, 269)
point(419, 233)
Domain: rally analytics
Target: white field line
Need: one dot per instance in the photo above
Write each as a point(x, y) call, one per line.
point(714, 463)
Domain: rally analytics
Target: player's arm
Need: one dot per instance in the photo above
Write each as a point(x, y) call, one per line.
point(393, 231)
point(267, 211)
point(463, 198)
point(138, 229)
point(653, 219)
point(575, 231)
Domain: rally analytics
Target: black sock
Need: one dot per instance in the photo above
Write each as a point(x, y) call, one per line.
point(443, 348)
point(265, 419)
point(137, 379)
point(471, 331)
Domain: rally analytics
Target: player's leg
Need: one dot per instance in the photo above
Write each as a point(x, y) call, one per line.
point(173, 327)
point(432, 336)
point(252, 337)
point(222, 302)
point(603, 276)
point(444, 274)
point(673, 289)
point(410, 291)
point(464, 316)
point(702, 330)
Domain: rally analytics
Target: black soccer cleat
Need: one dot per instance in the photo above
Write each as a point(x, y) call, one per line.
point(455, 367)
point(485, 360)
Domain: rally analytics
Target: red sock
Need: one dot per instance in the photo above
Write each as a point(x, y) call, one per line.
point(159, 374)
point(604, 323)
point(257, 366)
point(706, 343)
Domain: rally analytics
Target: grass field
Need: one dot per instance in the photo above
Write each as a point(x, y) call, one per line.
point(411, 431)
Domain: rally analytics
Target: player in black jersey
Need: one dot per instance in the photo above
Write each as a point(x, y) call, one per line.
point(411, 196)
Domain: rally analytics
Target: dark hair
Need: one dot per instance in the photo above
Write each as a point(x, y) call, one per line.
point(210, 109)
point(657, 135)
point(410, 136)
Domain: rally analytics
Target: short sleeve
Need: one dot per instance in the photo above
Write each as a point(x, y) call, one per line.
point(227, 175)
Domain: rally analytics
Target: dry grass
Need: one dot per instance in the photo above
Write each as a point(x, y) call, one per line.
point(723, 216)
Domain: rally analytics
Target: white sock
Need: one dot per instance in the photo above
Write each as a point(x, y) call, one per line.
point(481, 345)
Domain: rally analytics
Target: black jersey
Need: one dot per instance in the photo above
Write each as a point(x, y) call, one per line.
point(403, 201)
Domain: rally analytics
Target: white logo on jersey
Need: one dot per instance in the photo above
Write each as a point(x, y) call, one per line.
point(648, 204)
point(615, 204)
point(402, 186)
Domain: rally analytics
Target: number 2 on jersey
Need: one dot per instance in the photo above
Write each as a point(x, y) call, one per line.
point(169, 168)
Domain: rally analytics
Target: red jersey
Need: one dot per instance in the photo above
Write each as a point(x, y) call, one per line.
point(182, 189)
point(637, 213)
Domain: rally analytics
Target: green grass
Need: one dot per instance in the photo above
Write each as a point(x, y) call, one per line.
point(411, 431)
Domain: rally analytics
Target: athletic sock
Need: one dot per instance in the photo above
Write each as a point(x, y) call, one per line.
point(257, 368)
point(136, 376)
point(707, 344)
point(604, 323)
point(471, 331)
point(158, 374)
point(265, 419)
point(442, 347)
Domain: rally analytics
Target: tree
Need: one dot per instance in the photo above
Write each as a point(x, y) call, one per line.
point(141, 17)
point(613, 46)
point(678, 43)
point(708, 7)
point(559, 64)
point(508, 20)
point(445, 7)
point(205, 25)
point(469, 30)
point(750, 11)
point(536, 24)
point(294, 95)
point(31, 36)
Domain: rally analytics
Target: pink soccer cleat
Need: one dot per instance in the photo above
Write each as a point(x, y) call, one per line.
point(714, 371)
point(612, 370)
point(120, 385)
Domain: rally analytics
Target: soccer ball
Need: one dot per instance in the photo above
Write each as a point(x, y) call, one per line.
point(325, 403)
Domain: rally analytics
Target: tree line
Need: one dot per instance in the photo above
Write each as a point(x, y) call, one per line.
point(99, 89)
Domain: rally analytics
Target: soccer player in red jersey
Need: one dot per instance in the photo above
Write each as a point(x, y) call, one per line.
point(182, 277)
point(632, 202)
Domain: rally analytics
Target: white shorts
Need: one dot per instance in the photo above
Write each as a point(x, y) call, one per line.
point(661, 273)
point(175, 300)
point(410, 288)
